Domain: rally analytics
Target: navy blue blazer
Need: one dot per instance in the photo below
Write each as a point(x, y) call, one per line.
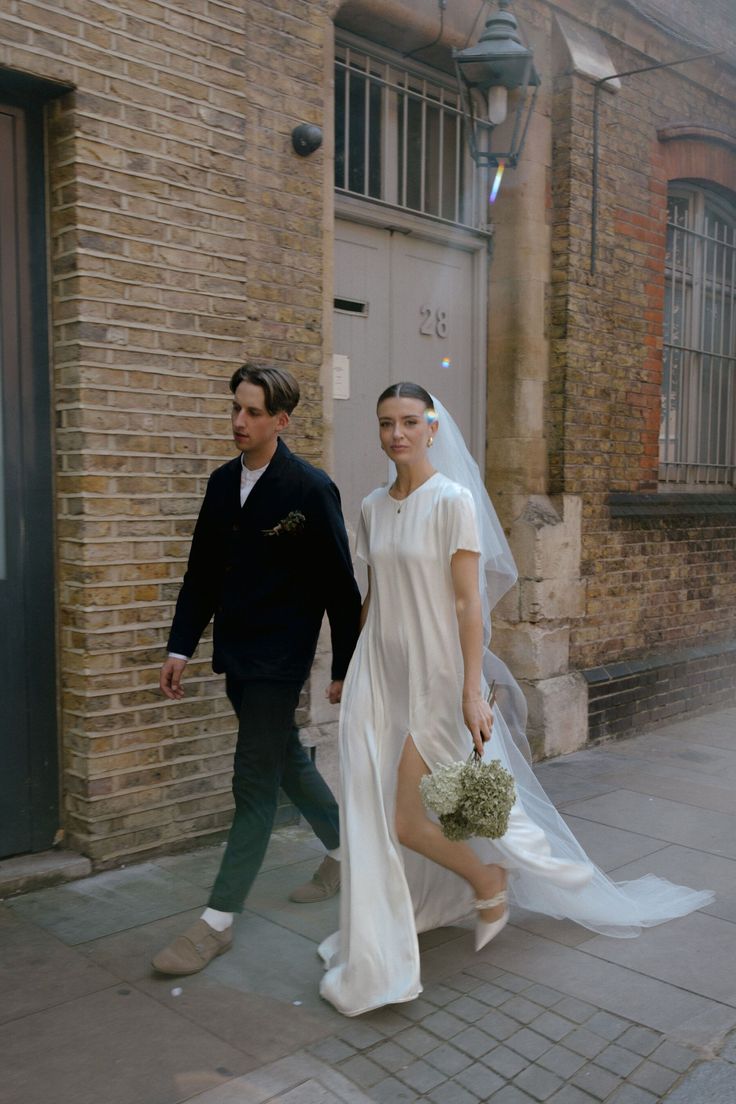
point(269, 592)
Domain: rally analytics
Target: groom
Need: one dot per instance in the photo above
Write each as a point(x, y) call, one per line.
point(269, 556)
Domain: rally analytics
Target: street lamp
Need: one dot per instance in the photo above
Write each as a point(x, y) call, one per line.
point(499, 63)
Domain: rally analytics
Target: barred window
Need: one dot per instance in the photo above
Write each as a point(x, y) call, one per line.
point(399, 137)
point(697, 430)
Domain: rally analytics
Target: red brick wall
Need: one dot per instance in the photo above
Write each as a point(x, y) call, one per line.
point(651, 583)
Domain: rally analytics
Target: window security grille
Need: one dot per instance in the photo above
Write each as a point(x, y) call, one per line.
point(697, 430)
point(399, 139)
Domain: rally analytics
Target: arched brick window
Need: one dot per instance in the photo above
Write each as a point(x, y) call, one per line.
point(698, 420)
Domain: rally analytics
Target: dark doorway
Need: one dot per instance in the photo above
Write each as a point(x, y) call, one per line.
point(29, 804)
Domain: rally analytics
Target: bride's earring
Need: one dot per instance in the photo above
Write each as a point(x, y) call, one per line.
point(430, 442)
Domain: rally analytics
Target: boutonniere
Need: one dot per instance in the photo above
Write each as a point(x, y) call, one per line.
point(292, 523)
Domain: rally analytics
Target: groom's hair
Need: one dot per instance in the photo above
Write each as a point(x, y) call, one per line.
point(407, 390)
point(280, 389)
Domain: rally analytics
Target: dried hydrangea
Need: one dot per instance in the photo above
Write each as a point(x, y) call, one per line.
point(442, 791)
point(470, 799)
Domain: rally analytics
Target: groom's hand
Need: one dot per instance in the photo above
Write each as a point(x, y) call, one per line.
point(333, 693)
point(170, 678)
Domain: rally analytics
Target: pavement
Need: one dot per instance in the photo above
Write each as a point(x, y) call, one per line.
point(547, 1012)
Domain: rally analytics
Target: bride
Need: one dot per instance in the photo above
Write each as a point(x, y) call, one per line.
point(414, 699)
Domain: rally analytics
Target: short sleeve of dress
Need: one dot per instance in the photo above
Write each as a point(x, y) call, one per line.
point(361, 537)
point(462, 529)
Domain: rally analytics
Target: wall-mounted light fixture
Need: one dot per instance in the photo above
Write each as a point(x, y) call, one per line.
point(498, 64)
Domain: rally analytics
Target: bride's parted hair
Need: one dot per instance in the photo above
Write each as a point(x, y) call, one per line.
point(407, 390)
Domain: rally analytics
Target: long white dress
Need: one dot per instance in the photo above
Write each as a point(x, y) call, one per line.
point(404, 680)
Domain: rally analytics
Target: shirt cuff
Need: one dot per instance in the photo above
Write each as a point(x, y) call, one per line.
point(177, 655)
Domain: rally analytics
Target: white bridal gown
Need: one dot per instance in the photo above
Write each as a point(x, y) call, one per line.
point(406, 677)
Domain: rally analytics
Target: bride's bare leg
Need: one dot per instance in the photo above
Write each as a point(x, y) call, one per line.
point(417, 832)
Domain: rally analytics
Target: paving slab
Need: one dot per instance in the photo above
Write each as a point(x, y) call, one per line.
point(572, 782)
point(269, 899)
point(263, 1028)
point(296, 1074)
point(697, 869)
point(556, 931)
point(618, 1060)
point(450, 958)
point(391, 1091)
point(552, 1026)
point(710, 733)
point(128, 954)
point(480, 1080)
point(692, 791)
point(659, 819)
point(109, 902)
point(713, 728)
point(438, 936)
point(689, 953)
point(654, 1078)
point(561, 1060)
point(696, 757)
point(116, 1046)
point(611, 847)
point(37, 971)
point(291, 844)
point(275, 962)
point(198, 867)
point(596, 1081)
point(674, 781)
point(614, 988)
point(504, 1061)
point(452, 1092)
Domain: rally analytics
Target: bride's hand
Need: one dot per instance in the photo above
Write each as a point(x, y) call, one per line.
point(478, 716)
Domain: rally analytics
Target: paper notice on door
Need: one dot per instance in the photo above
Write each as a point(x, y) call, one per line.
point(340, 376)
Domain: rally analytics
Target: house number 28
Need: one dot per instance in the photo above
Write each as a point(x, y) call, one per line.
point(434, 322)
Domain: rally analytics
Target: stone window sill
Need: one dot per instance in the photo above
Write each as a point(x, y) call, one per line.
point(672, 504)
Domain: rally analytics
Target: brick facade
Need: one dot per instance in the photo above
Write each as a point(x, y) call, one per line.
point(185, 235)
point(654, 583)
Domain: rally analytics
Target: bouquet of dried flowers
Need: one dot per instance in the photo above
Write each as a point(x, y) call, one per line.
point(470, 798)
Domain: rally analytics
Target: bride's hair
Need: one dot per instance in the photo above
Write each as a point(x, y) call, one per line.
point(407, 391)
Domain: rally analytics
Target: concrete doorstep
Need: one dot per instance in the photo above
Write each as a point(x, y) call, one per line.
point(47, 868)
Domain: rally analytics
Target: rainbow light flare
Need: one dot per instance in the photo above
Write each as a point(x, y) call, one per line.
point(445, 362)
point(497, 181)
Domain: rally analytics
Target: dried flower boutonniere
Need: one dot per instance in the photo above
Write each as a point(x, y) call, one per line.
point(292, 523)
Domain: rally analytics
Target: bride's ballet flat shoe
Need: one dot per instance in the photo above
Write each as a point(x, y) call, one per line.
point(485, 932)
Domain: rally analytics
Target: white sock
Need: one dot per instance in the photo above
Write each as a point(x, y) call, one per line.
point(335, 854)
point(218, 921)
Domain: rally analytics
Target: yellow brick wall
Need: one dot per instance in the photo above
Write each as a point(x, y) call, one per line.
point(185, 235)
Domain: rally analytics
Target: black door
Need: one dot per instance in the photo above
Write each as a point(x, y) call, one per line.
point(28, 738)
